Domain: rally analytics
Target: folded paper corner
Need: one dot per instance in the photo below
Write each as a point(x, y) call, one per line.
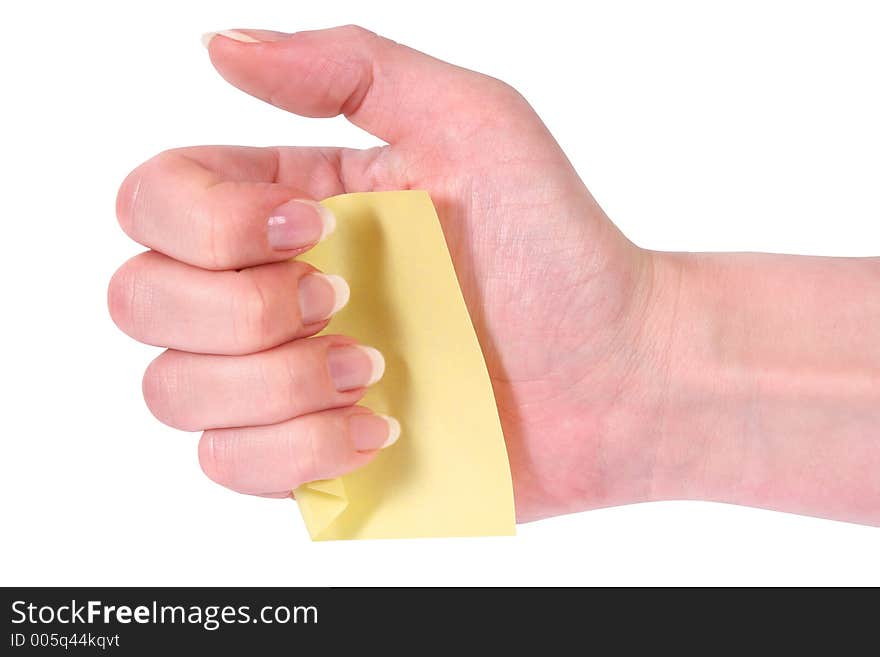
point(321, 503)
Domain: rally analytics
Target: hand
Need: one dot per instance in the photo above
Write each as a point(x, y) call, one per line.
point(601, 354)
point(556, 293)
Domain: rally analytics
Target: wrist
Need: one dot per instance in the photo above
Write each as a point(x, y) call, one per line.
point(772, 372)
point(706, 393)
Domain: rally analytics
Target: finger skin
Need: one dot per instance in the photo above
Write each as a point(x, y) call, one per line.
point(388, 89)
point(194, 392)
point(159, 301)
point(275, 459)
point(207, 206)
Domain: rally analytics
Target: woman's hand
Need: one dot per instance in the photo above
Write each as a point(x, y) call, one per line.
point(603, 356)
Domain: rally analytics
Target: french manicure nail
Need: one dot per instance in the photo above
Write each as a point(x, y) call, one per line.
point(235, 35)
point(371, 432)
point(354, 366)
point(393, 430)
point(299, 223)
point(321, 296)
point(249, 36)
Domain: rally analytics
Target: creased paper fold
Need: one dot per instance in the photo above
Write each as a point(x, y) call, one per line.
point(448, 474)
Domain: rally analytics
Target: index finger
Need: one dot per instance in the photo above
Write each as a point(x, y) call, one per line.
point(226, 207)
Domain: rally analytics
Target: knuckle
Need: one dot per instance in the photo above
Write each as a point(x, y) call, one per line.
point(119, 298)
point(217, 456)
point(128, 299)
point(517, 116)
point(252, 317)
point(225, 458)
point(307, 464)
point(162, 385)
point(504, 89)
point(377, 167)
point(356, 32)
point(502, 94)
point(296, 377)
point(127, 200)
point(218, 252)
point(301, 455)
point(211, 220)
point(130, 199)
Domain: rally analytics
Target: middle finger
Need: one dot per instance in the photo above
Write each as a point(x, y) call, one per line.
point(163, 302)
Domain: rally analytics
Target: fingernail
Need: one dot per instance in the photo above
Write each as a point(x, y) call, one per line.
point(321, 296)
point(299, 223)
point(235, 35)
point(354, 366)
point(251, 36)
point(369, 432)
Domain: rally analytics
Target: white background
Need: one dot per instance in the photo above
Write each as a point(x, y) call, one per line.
point(749, 127)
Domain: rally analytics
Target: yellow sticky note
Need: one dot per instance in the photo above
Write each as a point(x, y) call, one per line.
point(448, 474)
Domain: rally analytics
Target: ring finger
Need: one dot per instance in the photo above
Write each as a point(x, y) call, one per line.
point(196, 391)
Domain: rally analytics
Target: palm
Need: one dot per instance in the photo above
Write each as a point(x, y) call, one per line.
point(540, 270)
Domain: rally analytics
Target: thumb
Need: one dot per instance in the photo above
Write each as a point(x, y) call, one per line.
point(388, 89)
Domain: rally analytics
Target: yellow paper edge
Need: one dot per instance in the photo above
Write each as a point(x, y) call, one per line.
point(448, 475)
